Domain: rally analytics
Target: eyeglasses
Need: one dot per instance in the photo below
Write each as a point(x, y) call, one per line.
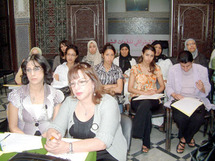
point(191, 44)
point(82, 82)
point(35, 69)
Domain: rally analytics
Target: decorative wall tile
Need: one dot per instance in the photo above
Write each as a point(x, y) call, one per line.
point(21, 9)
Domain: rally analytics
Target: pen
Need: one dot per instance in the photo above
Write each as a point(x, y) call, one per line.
point(51, 138)
point(5, 138)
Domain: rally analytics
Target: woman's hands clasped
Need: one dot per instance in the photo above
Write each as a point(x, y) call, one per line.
point(200, 86)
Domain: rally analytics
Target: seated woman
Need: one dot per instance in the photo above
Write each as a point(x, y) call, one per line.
point(142, 81)
point(110, 74)
point(61, 58)
point(187, 79)
point(61, 73)
point(93, 56)
point(125, 62)
point(190, 45)
point(35, 104)
point(88, 115)
point(18, 77)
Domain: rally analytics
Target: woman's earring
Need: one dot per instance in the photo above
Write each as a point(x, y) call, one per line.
point(94, 94)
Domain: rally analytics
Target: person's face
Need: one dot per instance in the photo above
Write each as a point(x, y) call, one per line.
point(63, 47)
point(82, 87)
point(108, 56)
point(34, 72)
point(124, 51)
point(34, 51)
point(71, 56)
point(148, 56)
point(92, 48)
point(158, 49)
point(186, 66)
point(191, 46)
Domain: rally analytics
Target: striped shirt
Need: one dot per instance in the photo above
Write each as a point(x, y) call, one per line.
point(109, 77)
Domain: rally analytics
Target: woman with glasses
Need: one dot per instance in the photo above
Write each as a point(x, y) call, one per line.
point(61, 73)
point(90, 115)
point(190, 45)
point(93, 56)
point(35, 104)
point(18, 77)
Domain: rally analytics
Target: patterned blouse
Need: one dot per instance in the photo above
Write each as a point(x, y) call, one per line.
point(144, 82)
point(109, 77)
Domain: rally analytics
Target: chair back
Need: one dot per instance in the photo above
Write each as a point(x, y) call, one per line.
point(126, 124)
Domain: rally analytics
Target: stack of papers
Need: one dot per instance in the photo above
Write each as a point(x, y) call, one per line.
point(154, 96)
point(187, 105)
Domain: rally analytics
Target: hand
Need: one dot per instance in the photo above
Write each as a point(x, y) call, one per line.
point(57, 146)
point(177, 96)
point(150, 92)
point(200, 86)
point(125, 76)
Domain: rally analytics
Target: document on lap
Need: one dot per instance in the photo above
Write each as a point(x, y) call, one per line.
point(71, 156)
point(19, 142)
point(187, 105)
point(154, 96)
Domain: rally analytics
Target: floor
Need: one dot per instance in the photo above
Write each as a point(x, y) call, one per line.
point(157, 151)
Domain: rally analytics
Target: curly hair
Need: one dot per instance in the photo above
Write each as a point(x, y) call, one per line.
point(44, 65)
point(87, 70)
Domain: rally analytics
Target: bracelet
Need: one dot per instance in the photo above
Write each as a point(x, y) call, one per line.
point(70, 148)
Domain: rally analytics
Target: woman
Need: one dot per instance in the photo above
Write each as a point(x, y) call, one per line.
point(35, 104)
point(125, 62)
point(61, 73)
point(88, 115)
point(93, 56)
point(18, 77)
point(60, 59)
point(142, 81)
point(190, 45)
point(187, 79)
point(109, 74)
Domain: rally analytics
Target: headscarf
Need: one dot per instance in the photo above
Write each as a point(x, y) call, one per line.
point(195, 53)
point(124, 62)
point(38, 49)
point(161, 56)
point(95, 58)
point(211, 66)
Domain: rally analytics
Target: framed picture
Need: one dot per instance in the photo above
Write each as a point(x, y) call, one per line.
point(137, 5)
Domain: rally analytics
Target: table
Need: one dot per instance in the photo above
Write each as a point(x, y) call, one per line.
point(4, 157)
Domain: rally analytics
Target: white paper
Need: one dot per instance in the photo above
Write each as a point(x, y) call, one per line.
point(154, 96)
point(20, 142)
point(72, 156)
point(187, 105)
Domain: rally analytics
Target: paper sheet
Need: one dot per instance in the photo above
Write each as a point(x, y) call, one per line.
point(187, 105)
point(73, 156)
point(20, 142)
point(154, 96)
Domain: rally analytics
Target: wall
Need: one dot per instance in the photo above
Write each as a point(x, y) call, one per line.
point(22, 24)
point(137, 28)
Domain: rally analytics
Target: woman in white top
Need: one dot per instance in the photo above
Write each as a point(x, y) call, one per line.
point(93, 56)
point(61, 72)
point(125, 62)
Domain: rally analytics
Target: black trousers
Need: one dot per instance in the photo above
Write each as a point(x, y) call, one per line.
point(142, 123)
point(189, 126)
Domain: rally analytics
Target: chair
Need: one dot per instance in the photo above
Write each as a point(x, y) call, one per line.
point(4, 123)
point(126, 124)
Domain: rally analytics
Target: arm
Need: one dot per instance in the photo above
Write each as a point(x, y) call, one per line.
point(13, 119)
point(117, 88)
point(161, 84)
point(18, 76)
point(56, 109)
point(56, 77)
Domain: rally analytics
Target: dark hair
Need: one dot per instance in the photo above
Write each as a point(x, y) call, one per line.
point(158, 42)
point(75, 48)
point(128, 47)
point(63, 42)
point(185, 57)
point(108, 46)
point(86, 69)
point(152, 64)
point(43, 63)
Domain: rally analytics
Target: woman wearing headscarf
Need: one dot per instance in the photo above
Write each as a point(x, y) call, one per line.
point(125, 62)
point(18, 77)
point(190, 45)
point(93, 56)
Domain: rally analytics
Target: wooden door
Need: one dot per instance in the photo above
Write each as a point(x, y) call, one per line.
point(7, 36)
point(85, 23)
point(193, 19)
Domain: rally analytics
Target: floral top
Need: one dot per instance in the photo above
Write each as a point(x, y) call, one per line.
point(144, 82)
